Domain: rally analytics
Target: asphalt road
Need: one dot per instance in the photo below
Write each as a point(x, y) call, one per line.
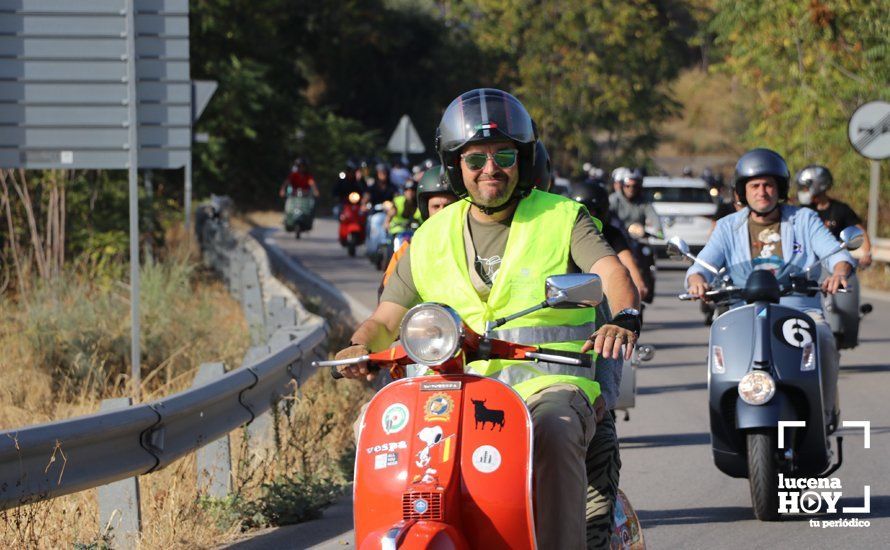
point(683, 501)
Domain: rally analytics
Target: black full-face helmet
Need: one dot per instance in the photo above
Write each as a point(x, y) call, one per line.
point(480, 116)
point(431, 183)
point(761, 162)
point(542, 170)
point(595, 198)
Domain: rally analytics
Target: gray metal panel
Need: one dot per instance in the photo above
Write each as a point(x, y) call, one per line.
point(79, 93)
point(99, 159)
point(70, 6)
point(111, 25)
point(167, 6)
point(64, 48)
point(106, 115)
point(72, 70)
point(166, 25)
point(155, 69)
point(154, 46)
point(42, 115)
point(63, 83)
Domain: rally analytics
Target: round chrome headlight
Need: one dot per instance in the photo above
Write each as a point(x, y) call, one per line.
point(431, 334)
point(757, 387)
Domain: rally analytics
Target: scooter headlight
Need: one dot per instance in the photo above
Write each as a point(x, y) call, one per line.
point(354, 197)
point(431, 334)
point(757, 387)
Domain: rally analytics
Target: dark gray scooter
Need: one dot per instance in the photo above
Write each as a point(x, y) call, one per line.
point(763, 367)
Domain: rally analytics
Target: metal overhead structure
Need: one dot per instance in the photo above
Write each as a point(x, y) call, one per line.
point(99, 84)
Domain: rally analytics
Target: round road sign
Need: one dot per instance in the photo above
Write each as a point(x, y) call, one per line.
point(869, 130)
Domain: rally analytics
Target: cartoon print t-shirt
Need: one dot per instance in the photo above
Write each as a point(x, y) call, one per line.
point(766, 245)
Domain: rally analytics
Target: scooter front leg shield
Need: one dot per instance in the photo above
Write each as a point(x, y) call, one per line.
point(452, 449)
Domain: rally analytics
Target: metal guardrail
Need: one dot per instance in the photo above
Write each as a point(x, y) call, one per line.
point(49, 460)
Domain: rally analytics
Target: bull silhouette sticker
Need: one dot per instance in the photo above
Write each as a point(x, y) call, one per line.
point(485, 415)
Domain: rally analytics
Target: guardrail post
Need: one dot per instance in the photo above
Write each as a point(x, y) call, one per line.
point(214, 460)
point(260, 431)
point(252, 299)
point(119, 512)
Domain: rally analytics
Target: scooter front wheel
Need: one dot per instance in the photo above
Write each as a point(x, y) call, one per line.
point(762, 474)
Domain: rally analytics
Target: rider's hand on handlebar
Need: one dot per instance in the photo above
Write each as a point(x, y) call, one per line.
point(358, 370)
point(698, 286)
point(607, 341)
point(831, 284)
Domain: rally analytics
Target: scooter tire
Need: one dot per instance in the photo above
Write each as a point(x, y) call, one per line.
point(762, 474)
point(350, 244)
point(297, 232)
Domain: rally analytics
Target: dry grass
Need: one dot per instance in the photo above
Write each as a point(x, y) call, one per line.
point(877, 276)
point(65, 350)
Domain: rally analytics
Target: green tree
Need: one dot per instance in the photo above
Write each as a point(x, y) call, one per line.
point(592, 75)
point(810, 65)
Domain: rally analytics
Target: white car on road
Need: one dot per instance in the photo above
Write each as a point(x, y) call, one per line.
point(685, 206)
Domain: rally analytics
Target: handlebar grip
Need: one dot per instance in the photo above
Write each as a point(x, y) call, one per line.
point(585, 360)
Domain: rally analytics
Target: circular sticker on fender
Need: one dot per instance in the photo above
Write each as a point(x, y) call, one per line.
point(486, 459)
point(395, 418)
point(794, 331)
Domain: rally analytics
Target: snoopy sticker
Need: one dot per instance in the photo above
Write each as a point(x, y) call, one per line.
point(430, 436)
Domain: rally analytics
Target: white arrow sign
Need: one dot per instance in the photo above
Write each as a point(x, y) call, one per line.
point(405, 139)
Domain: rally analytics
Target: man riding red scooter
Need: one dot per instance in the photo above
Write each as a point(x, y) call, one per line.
point(464, 258)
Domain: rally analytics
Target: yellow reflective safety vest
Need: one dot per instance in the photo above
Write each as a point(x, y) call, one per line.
point(399, 222)
point(537, 247)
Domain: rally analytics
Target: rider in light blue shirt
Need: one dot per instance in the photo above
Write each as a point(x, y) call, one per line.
point(767, 234)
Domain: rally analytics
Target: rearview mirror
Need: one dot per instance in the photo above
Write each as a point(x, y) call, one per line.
point(677, 249)
point(573, 290)
point(852, 237)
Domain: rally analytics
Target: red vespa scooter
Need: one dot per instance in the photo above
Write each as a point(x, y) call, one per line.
point(352, 223)
point(445, 460)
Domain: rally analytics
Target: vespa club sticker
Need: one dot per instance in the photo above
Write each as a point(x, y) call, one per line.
point(440, 386)
point(394, 418)
point(486, 459)
point(438, 408)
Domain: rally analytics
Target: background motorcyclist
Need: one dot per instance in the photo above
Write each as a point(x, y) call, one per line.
point(347, 183)
point(629, 206)
point(768, 234)
point(596, 199)
point(490, 167)
point(813, 183)
point(299, 179)
point(433, 194)
point(404, 210)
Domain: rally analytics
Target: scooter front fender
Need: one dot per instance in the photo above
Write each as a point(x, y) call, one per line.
point(420, 535)
point(764, 416)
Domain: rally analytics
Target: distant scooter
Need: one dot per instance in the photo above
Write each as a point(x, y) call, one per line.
point(377, 234)
point(299, 211)
point(352, 223)
point(763, 368)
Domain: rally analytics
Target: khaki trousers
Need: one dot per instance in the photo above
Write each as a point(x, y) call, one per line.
point(564, 424)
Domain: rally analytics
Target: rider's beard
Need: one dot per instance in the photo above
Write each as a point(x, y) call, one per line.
point(489, 195)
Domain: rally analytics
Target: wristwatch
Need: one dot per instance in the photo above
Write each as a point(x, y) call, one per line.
point(630, 319)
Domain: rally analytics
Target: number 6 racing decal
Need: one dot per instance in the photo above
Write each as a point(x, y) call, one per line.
point(794, 331)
